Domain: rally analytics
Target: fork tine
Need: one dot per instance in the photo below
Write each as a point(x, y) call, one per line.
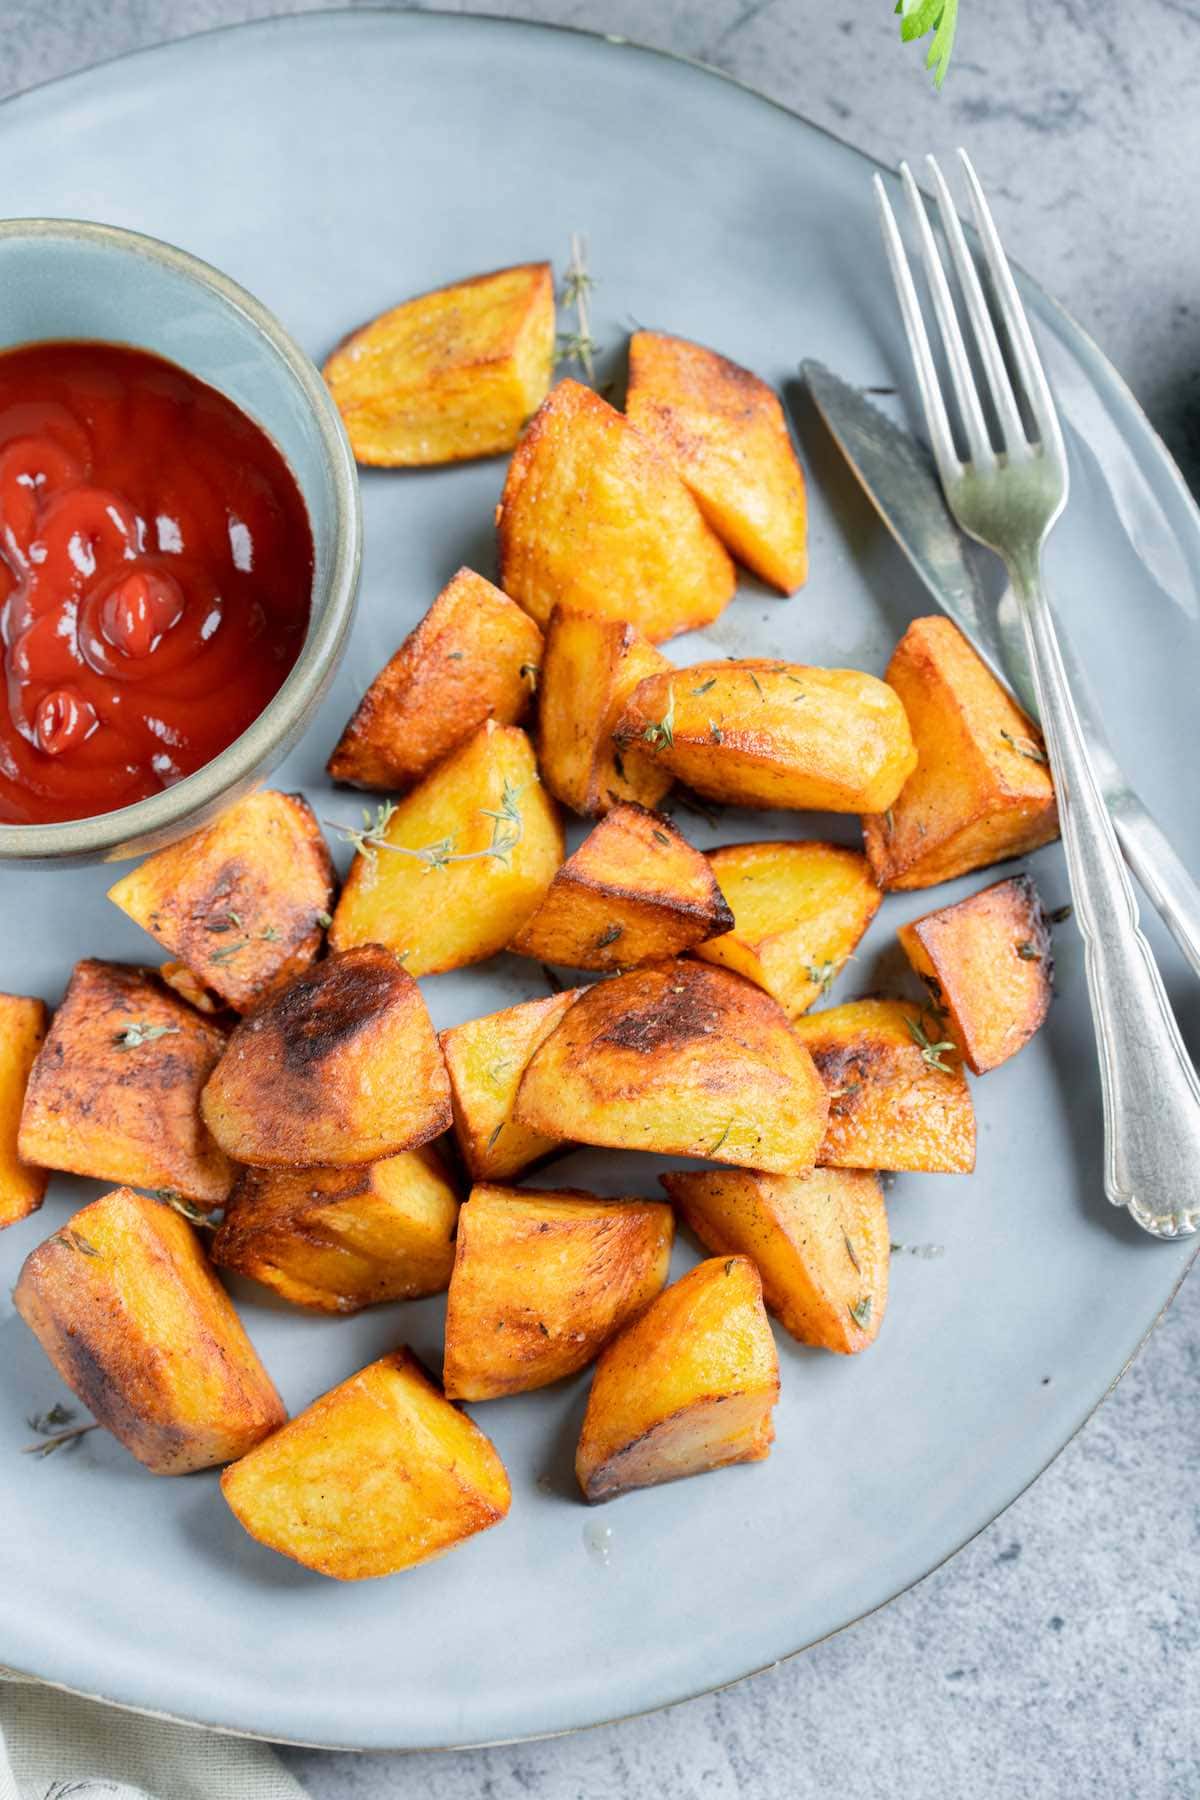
point(961, 372)
point(940, 434)
point(1011, 426)
point(1016, 322)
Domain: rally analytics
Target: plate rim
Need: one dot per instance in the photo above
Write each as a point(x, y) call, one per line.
point(1095, 358)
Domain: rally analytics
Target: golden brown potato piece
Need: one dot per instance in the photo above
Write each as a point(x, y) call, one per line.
point(22, 1028)
point(725, 432)
point(244, 902)
point(342, 1068)
point(595, 518)
point(689, 1386)
point(799, 909)
point(898, 1097)
point(762, 733)
point(542, 1281)
point(124, 1303)
point(680, 1058)
point(448, 375)
point(182, 981)
point(982, 791)
point(446, 877)
point(486, 1059)
point(590, 669)
point(378, 1475)
point(634, 892)
point(475, 656)
point(337, 1240)
point(989, 966)
point(820, 1242)
point(115, 1089)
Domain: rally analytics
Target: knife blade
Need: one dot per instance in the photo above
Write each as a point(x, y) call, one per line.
point(900, 478)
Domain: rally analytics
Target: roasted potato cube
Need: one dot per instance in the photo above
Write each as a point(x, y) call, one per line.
point(591, 667)
point(115, 1089)
point(988, 964)
point(448, 375)
point(458, 865)
point(378, 1475)
point(634, 892)
point(982, 791)
point(337, 1240)
point(680, 1058)
point(244, 902)
point(898, 1098)
point(689, 1386)
point(726, 433)
point(22, 1028)
point(820, 1242)
point(799, 909)
point(342, 1068)
point(486, 1059)
point(542, 1281)
point(126, 1306)
point(761, 733)
point(595, 518)
point(475, 656)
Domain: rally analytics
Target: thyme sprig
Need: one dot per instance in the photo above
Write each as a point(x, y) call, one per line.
point(661, 735)
point(54, 1430)
point(508, 828)
point(577, 345)
point(932, 1050)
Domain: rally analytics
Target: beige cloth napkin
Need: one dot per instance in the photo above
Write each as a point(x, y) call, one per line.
point(54, 1746)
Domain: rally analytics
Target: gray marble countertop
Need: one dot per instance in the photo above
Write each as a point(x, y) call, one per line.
point(1059, 1654)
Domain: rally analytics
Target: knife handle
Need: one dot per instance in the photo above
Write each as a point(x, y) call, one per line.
point(1168, 886)
point(1150, 1089)
point(1164, 880)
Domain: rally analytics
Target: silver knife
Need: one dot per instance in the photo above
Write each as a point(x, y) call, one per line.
point(899, 476)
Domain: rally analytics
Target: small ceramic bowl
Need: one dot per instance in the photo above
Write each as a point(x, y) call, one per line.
point(66, 278)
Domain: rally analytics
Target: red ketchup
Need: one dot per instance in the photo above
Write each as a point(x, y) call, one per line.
point(156, 567)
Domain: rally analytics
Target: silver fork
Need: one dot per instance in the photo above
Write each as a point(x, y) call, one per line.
point(1009, 500)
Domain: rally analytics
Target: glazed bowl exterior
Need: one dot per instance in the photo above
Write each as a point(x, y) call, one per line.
point(67, 278)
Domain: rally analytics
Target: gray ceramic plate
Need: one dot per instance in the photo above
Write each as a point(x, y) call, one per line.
point(333, 164)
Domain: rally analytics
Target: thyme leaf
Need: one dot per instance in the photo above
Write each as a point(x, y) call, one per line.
point(1026, 747)
point(137, 1033)
point(861, 1312)
point(75, 1240)
point(713, 1148)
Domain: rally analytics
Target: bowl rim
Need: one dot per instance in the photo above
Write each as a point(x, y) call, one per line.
point(120, 833)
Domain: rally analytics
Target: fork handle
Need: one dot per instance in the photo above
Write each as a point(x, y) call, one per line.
point(1150, 1089)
